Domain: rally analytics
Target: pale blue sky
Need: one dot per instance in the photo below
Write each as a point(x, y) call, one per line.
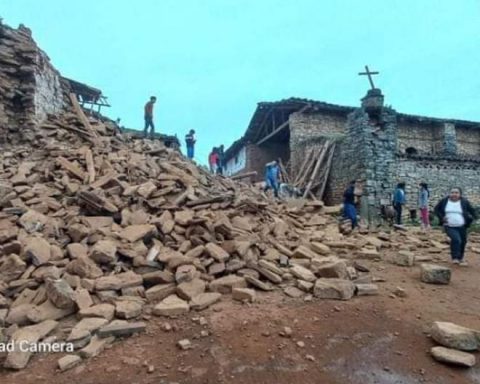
point(209, 62)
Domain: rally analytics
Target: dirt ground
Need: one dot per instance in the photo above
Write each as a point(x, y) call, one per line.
point(377, 339)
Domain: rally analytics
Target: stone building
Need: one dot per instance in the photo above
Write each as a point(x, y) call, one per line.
point(374, 143)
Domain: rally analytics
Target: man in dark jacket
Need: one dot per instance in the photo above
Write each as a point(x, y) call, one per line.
point(456, 214)
point(349, 210)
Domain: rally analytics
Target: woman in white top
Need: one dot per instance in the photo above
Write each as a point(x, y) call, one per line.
point(456, 214)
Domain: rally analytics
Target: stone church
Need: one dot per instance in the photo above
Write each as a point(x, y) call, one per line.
point(374, 143)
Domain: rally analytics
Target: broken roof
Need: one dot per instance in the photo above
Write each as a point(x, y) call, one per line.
point(295, 104)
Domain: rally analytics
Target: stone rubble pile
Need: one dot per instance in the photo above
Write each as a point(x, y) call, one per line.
point(98, 232)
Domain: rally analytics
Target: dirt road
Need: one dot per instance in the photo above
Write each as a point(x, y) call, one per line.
point(378, 339)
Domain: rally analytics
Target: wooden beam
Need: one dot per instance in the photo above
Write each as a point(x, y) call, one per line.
point(81, 115)
point(280, 127)
point(261, 126)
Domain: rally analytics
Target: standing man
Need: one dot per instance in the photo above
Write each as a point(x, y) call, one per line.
point(149, 118)
point(190, 142)
point(220, 161)
point(349, 210)
point(399, 201)
point(272, 172)
point(456, 214)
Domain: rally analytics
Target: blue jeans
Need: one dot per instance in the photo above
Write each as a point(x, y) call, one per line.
point(458, 241)
point(149, 124)
point(190, 150)
point(271, 182)
point(350, 212)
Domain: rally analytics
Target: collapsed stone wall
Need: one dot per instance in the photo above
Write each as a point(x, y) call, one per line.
point(30, 87)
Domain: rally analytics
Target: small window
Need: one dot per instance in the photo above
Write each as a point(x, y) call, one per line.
point(236, 159)
point(411, 151)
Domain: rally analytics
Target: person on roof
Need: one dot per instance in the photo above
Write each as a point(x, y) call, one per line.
point(149, 118)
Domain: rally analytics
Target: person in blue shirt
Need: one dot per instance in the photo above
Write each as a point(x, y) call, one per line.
point(272, 173)
point(349, 210)
point(399, 200)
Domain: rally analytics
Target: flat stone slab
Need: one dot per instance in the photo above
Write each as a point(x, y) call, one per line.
point(68, 362)
point(336, 289)
point(454, 336)
point(204, 300)
point(171, 306)
point(121, 328)
point(452, 356)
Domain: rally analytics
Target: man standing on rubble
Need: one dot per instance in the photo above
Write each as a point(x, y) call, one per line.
point(149, 118)
point(349, 210)
point(190, 142)
point(272, 173)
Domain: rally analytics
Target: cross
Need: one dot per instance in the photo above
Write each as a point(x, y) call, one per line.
point(369, 74)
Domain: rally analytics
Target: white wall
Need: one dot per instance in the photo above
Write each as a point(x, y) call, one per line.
point(236, 163)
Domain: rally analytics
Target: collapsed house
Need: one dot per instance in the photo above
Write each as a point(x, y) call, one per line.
point(32, 91)
point(373, 143)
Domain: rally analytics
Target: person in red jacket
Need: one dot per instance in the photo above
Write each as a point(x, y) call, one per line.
point(149, 118)
point(213, 160)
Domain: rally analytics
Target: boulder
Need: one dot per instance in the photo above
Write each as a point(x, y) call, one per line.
point(103, 310)
point(204, 300)
point(38, 250)
point(452, 356)
point(404, 258)
point(329, 267)
point(104, 252)
point(454, 336)
point(190, 289)
point(160, 292)
point(332, 288)
point(302, 273)
point(84, 268)
point(218, 253)
point(68, 362)
point(435, 274)
point(128, 309)
point(244, 294)
point(225, 284)
point(77, 250)
point(60, 293)
point(171, 306)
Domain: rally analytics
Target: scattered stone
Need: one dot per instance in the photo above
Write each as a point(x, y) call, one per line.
point(244, 294)
point(302, 273)
point(96, 346)
point(366, 289)
point(454, 336)
point(336, 289)
point(435, 274)
point(128, 309)
point(120, 328)
point(204, 300)
point(452, 356)
point(227, 283)
point(404, 258)
point(68, 362)
point(184, 344)
point(103, 310)
point(60, 293)
point(171, 306)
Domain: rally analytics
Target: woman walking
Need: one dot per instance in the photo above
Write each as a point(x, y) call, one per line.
point(456, 214)
point(423, 196)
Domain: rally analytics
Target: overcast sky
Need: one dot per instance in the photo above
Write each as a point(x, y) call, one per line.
point(209, 62)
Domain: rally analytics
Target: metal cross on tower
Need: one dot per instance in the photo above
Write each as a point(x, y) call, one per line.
point(369, 74)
